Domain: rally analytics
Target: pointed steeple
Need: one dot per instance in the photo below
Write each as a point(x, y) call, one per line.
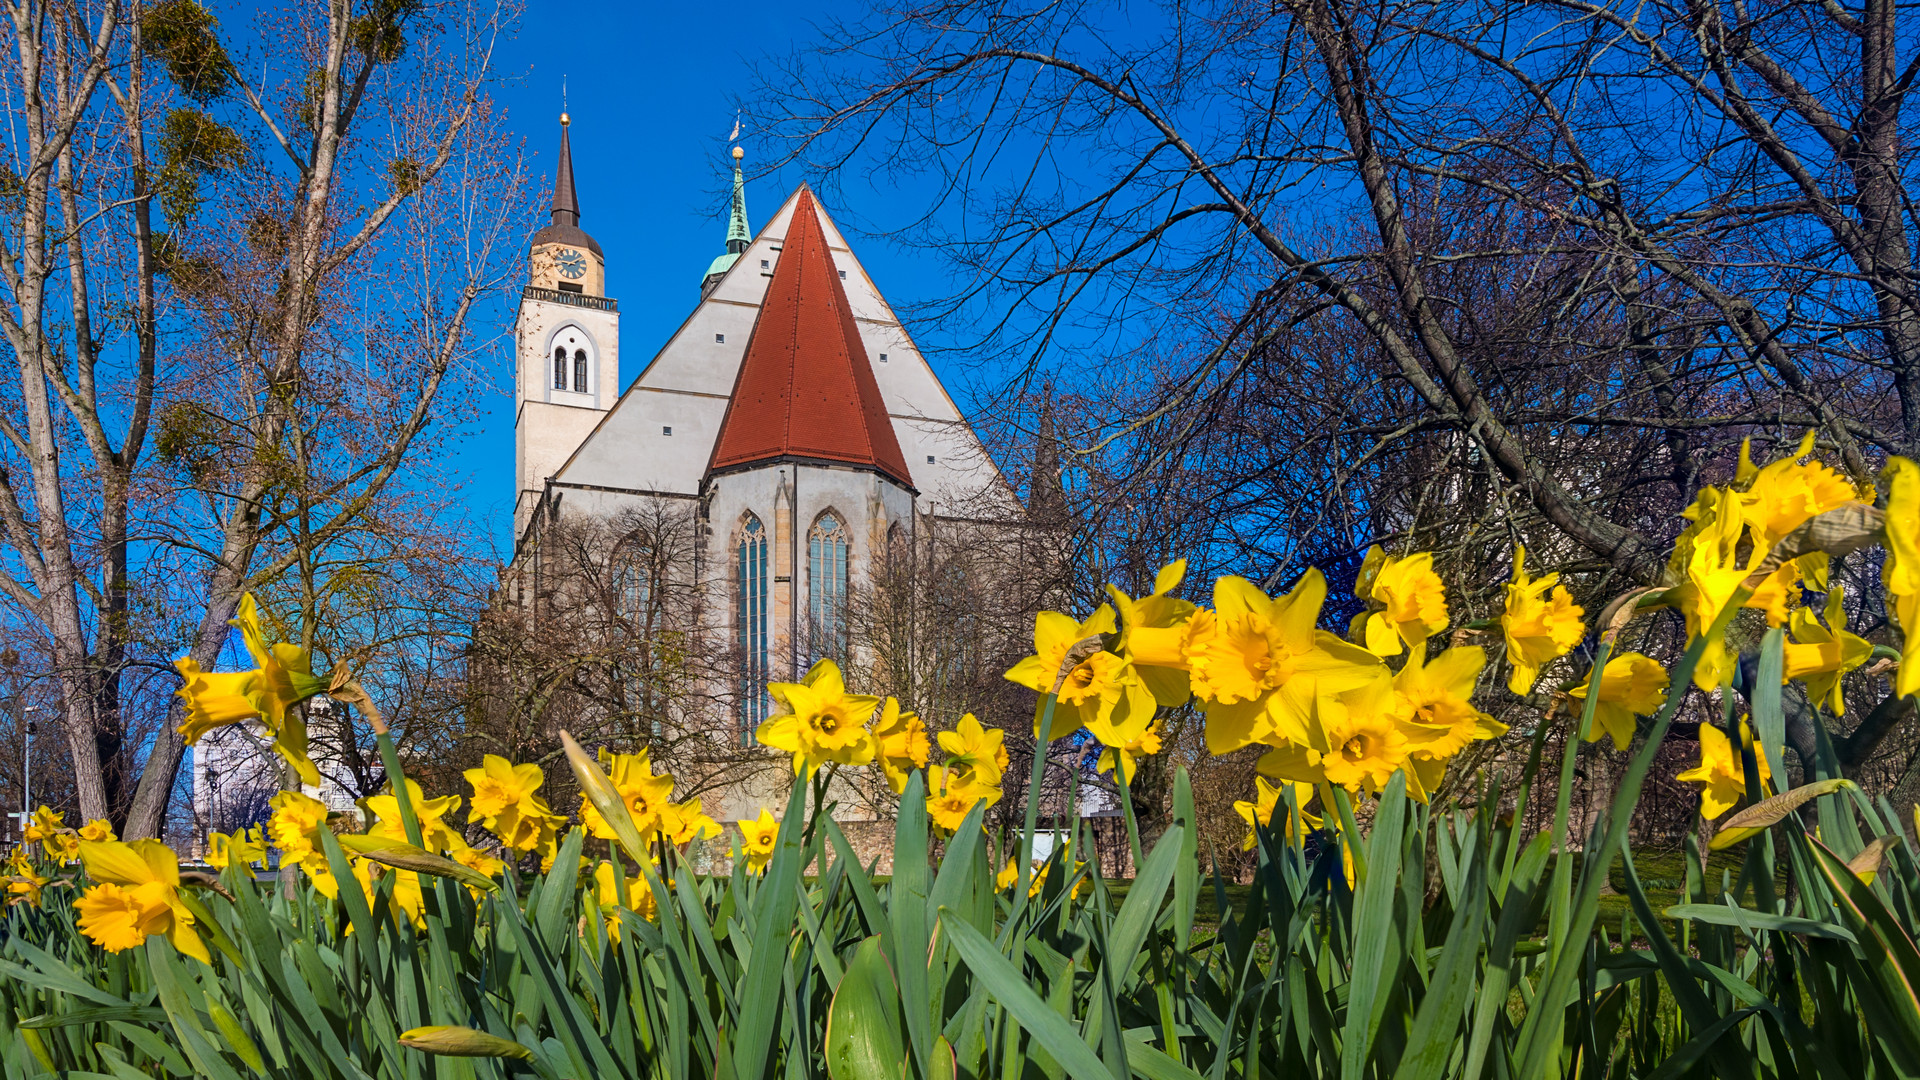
point(738, 236)
point(806, 390)
point(566, 204)
point(565, 227)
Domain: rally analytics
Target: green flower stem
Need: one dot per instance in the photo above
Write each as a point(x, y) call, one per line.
point(1040, 740)
point(1126, 805)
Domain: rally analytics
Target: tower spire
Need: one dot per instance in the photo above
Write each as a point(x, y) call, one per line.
point(738, 235)
point(566, 204)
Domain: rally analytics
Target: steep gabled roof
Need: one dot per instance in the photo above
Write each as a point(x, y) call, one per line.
point(806, 389)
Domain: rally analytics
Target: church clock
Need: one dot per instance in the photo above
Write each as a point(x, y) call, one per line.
point(572, 264)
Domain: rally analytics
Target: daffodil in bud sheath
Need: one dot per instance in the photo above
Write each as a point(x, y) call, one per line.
point(282, 680)
point(758, 837)
point(901, 744)
point(1901, 575)
point(1633, 684)
point(823, 723)
point(1721, 774)
point(1159, 619)
point(1541, 623)
point(136, 894)
point(1094, 688)
point(1408, 602)
point(1819, 655)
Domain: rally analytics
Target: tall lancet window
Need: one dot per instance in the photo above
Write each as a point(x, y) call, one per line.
point(559, 369)
point(827, 587)
point(750, 625)
point(579, 371)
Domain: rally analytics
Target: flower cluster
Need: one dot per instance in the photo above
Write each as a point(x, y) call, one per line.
point(649, 801)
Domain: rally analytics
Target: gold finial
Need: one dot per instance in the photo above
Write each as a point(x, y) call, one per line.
point(565, 119)
point(738, 153)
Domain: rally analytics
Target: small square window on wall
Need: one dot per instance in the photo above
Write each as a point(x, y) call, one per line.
point(764, 264)
point(843, 275)
point(883, 358)
point(719, 339)
point(666, 430)
point(929, 459)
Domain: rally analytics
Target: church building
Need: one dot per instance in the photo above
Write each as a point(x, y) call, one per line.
point(789, 421)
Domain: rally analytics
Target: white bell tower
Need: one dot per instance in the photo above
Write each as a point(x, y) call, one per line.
point(567, 369)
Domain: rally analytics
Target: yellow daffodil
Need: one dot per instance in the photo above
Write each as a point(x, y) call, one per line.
point(45, 823)
point(975, 753)
point(136, 893)
point(1633, 684)
point(646, 795)
point(507, 804)
point(901, 744)
point(1408, 601)
point(953, 796)
point(758, 838)
point(1097, 686)
point(1819, 655)
point(1257, 663)
point(1786, 494)
point(1127, 748)
point(1157, 614)
point(1259, 813)
point(24, 883)
point(48, 828)
point(282, 679)
point(1037, 879)
point(435, 833)
point(1541, 623)
point(98, 829)
point(1363, 740)
point(606, 895)
point(1901, 575)
point(823, 723)
point(1721, 774)
point(683, 823)
point(294, 831)
point(242, 849)
point(1441, 718)
point(408, 899)
point(1706, 559)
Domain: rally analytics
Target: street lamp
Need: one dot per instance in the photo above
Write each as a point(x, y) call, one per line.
point(26, 768)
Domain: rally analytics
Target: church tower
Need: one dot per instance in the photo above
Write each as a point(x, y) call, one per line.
point(567, 372)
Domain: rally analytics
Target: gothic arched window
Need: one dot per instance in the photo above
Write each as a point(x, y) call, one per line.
point(559, 369)
point(579, 371)
point(750, 623)
point(633, 582)
point(827, 586)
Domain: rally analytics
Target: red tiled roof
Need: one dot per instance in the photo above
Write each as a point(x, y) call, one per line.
point(806, 389)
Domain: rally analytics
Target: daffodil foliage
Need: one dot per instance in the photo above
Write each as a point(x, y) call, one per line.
point(1398, 923)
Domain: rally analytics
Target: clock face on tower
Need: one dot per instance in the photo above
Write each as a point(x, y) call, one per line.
point(573, 265)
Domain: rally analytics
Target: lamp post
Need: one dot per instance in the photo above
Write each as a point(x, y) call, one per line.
point(26, 762)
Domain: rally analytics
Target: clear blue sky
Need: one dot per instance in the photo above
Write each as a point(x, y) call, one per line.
point(651, 89)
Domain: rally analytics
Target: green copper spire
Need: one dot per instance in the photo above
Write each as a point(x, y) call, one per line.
point(737, 235)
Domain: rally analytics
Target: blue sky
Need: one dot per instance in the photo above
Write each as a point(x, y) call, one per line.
point(651, 89)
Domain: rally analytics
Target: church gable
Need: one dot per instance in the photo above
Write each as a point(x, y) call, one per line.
point(661, 434)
